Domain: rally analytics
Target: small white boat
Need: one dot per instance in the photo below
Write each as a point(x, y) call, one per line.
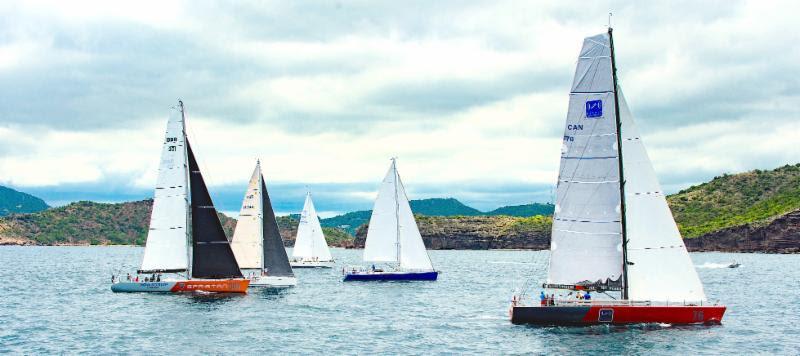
point(257, 242)
point(310, 248)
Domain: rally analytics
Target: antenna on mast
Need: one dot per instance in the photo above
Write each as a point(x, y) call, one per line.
point(609, 19)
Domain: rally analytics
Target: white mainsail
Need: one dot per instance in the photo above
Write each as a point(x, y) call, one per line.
point(310, 241)
point(393, 235)
point(586, 243)
point(659, 268)
point(586, 240)
point(247, 238)
point(167, 240)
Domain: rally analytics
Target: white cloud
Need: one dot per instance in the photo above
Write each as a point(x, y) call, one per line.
point(461, 93)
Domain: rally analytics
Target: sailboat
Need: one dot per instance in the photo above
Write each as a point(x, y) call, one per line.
point(310, 248)
point(186, 248)
point(257, 242)
point(393, 238)
point(613, 236)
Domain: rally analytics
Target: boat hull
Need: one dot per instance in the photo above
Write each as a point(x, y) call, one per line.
point(272, 282)
point(312, 264)
point(580, 315)
point(391, 276)
point(182, 286)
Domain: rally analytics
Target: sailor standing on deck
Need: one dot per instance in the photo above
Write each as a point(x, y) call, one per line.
point(542, 298)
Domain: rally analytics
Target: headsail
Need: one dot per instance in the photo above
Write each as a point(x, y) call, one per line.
point(275, 260)
point(586, 242)
point(167, 241)
point(310, 241)
point(212, 256)
point(659, 267)
point(393, 235)
point(246, 241)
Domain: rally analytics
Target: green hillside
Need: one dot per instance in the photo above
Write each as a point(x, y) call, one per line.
point(526, 210)
point(753, 197)
point(87, 222)
point(442, 207)
point(16, 202)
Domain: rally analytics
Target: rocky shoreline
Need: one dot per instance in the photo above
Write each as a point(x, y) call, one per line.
point(781, 235)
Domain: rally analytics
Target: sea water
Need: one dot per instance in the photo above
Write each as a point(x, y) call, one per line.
point(58, 300)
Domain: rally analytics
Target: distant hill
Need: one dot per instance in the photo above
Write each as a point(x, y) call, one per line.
point(86, 223)
point(349, 221)
point(755, 197)
point(442, 207)
point(438, 207)
point(16, 202)
point(526, 210)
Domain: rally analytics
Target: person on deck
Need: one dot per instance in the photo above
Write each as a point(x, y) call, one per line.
point(587, 296)
point(542, 298)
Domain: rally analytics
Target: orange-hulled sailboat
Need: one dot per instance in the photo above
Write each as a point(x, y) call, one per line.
point(186, 249)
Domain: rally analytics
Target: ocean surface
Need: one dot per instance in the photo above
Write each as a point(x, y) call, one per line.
point(57, 300)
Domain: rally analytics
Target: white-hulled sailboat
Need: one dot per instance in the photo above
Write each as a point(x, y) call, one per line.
point(393, 238)
point(209, 265)
point(310, 248)
point(257, 242)
point(613, 232)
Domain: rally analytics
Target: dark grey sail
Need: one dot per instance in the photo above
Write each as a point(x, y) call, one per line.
point(276, 262)
point(212, 256)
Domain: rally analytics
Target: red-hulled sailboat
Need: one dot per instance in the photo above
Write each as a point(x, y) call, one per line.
point(613, 234)
point(177, 258)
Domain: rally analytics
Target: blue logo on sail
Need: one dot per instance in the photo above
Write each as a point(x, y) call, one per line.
point(594, 108)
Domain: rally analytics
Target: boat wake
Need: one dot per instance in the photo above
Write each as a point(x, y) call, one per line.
point(712, 265)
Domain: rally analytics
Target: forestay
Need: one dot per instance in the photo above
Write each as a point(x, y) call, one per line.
point(167, 241)
point(586, 240)
point(246, 241)
point(659, 267)
point(310, 242)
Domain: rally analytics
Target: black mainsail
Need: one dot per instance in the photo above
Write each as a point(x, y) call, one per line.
point(275, 260)
point(212, 256)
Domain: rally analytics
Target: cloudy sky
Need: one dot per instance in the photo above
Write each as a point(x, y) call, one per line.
point(471, 96)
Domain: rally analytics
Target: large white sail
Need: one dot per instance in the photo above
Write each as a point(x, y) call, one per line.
point(167, 240)
point(382, 237)
point(310, 242)
point(392, 228)
point(659, 267)
point(586, 242)
point(247, 238)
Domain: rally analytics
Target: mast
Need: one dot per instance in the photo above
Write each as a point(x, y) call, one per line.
point(621, 170)
point(396, 208)
point(186, 189)
point(261, 212)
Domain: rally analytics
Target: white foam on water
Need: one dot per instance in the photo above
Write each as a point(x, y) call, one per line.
point(712, 265)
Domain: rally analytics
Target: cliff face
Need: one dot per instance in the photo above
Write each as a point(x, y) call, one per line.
point(781, 235)
point(478, 232)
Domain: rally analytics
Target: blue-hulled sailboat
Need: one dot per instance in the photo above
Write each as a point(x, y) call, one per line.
point(393, 239)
